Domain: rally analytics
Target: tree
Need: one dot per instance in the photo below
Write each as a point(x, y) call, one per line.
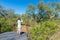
point(7, 19)
point(31, 11)
point(44, 11)
point(3, 12)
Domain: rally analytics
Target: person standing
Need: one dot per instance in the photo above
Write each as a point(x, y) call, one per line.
point(19, 21)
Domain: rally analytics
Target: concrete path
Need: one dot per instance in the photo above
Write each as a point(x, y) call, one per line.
point(13, 36)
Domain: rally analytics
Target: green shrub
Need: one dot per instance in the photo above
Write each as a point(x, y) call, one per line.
point(6, 25)
point(44, 31)
point(6, 29)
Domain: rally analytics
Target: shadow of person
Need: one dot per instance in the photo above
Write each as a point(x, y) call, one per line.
point(22, 33)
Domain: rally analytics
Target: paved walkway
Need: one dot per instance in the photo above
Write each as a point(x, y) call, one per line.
point(13, 36)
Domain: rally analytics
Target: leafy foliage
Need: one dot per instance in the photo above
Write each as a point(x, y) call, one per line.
point(44, 30)
point(44, 11)
point(7, 19)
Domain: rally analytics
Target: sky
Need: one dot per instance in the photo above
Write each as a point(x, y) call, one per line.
point(20, 6)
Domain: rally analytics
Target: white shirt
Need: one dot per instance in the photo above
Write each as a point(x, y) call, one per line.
point(19, 23)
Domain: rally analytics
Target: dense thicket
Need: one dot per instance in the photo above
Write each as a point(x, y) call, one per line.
point(46, 15)
point(7, 19)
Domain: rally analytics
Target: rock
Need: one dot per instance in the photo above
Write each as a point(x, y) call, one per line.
point(13, 36)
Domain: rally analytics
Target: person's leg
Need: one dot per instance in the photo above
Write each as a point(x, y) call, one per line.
point(18, 32)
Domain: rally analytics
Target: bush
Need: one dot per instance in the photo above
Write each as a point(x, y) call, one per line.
point(6, 29)
point(6, 25)
point(44, 31)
